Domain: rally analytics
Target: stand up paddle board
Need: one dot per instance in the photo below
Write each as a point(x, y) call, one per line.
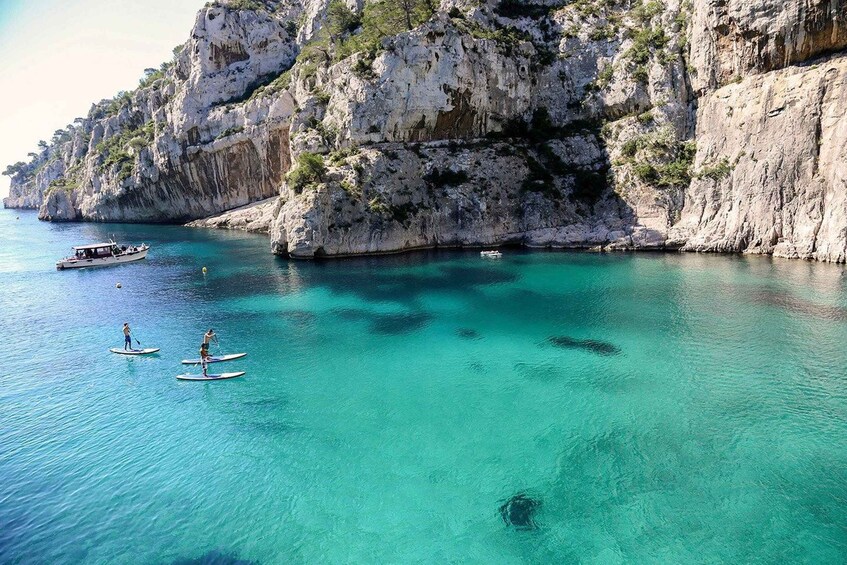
point(210, 377)
point(134, 351)
point(214, 359)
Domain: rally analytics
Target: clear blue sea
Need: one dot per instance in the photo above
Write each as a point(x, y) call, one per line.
point(654, 408)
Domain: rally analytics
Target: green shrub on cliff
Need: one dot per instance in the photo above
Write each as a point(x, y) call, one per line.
point(716, 172)
point(341, 20)
point(346, 32)
point(665, 163)
point(115, 150)
point(123, 98)
point(237, 4)
point(229, 131)
point(13, 170)
point(310, 169)
point(64, 183)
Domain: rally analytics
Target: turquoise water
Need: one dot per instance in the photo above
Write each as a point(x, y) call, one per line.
point(688, 409)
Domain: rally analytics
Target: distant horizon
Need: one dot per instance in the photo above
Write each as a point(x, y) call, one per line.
point(54, 56)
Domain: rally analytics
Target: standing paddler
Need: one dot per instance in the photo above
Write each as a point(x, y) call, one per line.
point(204, 358)
point(208, 337)
point(204, 348)
point(127, 337)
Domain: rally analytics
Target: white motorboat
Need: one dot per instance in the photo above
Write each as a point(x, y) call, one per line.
point(101, 255)
point(491, 254)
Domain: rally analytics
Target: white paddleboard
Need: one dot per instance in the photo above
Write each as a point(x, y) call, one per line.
point(210, 377)
point(147, 351)
point(214, 359)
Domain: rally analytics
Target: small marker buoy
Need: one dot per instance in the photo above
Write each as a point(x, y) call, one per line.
point(204, 270)
point(118, 285)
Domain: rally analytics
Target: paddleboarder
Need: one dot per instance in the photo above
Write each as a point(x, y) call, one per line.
point(204, 357)
point(208, 337)
point(127, 337)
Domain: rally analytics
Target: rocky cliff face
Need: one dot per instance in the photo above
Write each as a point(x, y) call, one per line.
point(771, 142)
point(189, 142)
point(712, 125)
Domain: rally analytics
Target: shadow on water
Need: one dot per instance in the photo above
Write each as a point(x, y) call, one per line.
point(386, 324)
point(300, 318)
point(352, 314)
point(543, 372)
point(214, 557)
point(247, 285)
point(268, 417)
point(592, 345)
point(603, 381)
point(380, 283)
point(398, 324)
point(793, 304)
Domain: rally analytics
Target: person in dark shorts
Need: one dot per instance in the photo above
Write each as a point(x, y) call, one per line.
point(204, 358)
point(127, 337)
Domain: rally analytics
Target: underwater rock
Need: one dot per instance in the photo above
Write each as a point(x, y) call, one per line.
point(300, 317)
point(350, 313)
point(593, 345)
point(519, 512)
point(467, 333)
point(398, 324)
point(214, 557)
point(793, 304)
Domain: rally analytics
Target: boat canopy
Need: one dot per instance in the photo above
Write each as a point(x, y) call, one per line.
point(93, 246)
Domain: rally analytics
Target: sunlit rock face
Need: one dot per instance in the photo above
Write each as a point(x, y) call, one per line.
point(788, 197)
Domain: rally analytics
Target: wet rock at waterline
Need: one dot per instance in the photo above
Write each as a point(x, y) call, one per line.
point(519, 512)
point(592, 345)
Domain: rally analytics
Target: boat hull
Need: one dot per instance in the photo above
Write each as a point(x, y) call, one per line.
point(102, 261)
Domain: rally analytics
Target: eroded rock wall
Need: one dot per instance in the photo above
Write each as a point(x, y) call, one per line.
point(772, 151)
point(735, 38)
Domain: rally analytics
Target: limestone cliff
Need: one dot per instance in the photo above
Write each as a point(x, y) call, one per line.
point(189, 142)
point(712, 125)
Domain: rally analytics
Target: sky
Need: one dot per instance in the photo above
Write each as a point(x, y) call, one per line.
point(57, 57)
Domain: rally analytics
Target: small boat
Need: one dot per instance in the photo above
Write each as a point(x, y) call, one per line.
point(101, 255)
point(491, 254)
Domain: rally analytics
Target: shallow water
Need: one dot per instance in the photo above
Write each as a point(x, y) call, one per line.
point(655, 408)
